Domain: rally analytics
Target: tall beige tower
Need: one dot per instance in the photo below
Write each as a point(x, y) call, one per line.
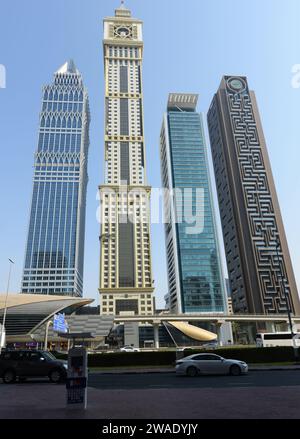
point(126, 285)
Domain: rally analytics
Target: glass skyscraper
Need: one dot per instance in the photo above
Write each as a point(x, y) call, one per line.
point(55, 244)
point(194, 268)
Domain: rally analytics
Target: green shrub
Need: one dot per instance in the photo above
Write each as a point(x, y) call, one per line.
point(59, 355)
point(254, 355)
point(167, 358)
point(117, 359)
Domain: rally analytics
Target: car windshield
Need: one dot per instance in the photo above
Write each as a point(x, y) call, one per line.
point(48, 356)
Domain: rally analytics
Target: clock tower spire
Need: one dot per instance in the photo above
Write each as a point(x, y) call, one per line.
point(122, 11)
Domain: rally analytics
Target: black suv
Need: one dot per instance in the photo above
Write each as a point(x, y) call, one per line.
point(26, 364)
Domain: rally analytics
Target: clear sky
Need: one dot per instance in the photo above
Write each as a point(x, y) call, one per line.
point(189, 45)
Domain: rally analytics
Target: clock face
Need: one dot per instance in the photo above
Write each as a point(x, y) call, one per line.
point(123, 31)
point(236, 84)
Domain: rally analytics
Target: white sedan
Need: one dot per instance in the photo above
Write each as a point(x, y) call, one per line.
point(205, 364)
point(129, 349)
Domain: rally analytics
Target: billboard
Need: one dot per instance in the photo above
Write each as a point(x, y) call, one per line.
point(59, 323)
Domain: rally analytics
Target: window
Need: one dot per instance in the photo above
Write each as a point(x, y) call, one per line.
point(126, 305)
point(125, 162)
point(124, 121)
point(34, 356)
point(276, 336)
point(207, 358)
point(126, 253)
point(11, 355)
point(123, 79)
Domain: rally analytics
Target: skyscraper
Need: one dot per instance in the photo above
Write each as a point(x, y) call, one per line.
point(125, 261)
point(195, 277)
point(259, 265)
point(55, 244)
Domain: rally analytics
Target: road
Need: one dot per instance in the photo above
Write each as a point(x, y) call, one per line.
point(258, 395)
point(171, 381)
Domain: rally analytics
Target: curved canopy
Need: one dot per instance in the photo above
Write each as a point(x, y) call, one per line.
point(27, 312)
point(194, 332)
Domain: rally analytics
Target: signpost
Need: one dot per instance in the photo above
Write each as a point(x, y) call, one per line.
point(77, 378)
point(77, 371)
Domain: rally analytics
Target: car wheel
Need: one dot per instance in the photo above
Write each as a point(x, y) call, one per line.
point(235, 370)
point(9, 376)
point(192, 371)
point(55, 376)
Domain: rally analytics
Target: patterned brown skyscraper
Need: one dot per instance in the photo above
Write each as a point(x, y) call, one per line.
point(259, 265)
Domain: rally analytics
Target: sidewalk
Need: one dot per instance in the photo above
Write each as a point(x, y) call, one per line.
point(48, 401)
point(168, 369)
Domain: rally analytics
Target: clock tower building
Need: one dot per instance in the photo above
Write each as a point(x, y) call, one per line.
point(126, 286)
point(259, 265)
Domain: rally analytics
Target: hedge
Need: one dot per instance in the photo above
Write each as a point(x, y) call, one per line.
point(255, 355)
point(167, 358)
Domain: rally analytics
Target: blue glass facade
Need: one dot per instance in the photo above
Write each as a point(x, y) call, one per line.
point(192, 253)
point(55, 244)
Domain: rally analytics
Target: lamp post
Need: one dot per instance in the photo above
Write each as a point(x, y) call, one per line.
point(46, 334)
point(5, 303)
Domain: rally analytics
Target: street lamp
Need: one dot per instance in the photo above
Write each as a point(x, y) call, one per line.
point(5, 303)
point(46, 334)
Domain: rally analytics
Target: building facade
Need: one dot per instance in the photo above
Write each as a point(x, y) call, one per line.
point(229, 305)
point(259, 265)
point(196, 283)
point(55, 243)
point(125, 262)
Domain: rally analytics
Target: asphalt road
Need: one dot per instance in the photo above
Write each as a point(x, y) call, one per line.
point(171, 381)
point(258, 395)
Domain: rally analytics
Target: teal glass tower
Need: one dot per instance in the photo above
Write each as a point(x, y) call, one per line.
point(55, 243)
point(195, 277)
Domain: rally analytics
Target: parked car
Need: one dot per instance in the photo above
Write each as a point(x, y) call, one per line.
point(129, 349)
point(202, 364)
point(24, 364)
point(211, 344)
point(183, 349)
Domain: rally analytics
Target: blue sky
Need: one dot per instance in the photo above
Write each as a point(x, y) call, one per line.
point(189, 45)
